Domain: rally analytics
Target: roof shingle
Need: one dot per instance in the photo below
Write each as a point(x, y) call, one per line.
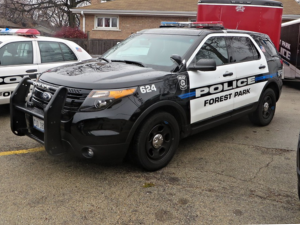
point(290, 7)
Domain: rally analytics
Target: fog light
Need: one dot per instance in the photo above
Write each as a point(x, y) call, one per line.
point(88, 153)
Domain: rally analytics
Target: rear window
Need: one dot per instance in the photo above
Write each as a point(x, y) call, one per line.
point(55, 52)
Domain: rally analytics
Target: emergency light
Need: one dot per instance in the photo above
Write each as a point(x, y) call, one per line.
point(21, 32)
point(206, 24)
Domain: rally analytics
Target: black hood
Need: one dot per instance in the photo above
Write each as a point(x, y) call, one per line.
point(97, 74)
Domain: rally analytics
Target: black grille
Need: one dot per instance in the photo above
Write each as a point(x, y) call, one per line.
point(73, 102)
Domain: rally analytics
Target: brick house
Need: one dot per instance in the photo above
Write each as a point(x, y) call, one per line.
point(118, 19)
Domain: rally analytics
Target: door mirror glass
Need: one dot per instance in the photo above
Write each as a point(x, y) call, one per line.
point(204, 65)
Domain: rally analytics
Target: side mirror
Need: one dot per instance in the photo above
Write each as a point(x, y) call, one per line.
point(176, 59)
point(204, 65)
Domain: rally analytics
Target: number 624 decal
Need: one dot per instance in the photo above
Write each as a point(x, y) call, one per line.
point(148, 88)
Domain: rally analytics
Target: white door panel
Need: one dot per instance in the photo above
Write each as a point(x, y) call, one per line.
point(212, 105)
point(249, 69)
point(202, 82)
point(212, 90)
point(245, 70)
point(248, 94)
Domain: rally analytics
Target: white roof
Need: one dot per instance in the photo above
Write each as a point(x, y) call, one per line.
point(9, 38)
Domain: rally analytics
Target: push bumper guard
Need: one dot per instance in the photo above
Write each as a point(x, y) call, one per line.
point(21, 116)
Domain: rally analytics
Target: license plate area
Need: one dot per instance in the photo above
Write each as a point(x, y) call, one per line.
point(38, 124)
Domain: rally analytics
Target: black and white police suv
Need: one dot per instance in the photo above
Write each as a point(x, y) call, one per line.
point(149, 91)
point(24, 53)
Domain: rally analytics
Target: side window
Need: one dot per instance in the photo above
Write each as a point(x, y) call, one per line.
point(214, 48)
point(55, 52)
point(241, 49)
point(267, 48)
point(16, 53)
point(68, 54)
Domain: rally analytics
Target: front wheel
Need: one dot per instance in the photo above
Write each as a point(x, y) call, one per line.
point(156, 141)
point(265, 111)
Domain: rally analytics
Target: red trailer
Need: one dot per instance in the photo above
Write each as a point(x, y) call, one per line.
point(262, 16)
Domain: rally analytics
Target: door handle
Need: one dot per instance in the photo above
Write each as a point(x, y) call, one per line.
point(262, 67)
point(227, 74)
point(31, 71)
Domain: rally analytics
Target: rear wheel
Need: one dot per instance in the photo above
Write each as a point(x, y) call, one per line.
point(265, 111)
point(156, 141)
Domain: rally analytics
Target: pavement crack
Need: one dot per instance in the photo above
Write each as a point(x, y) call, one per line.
point(261, 168)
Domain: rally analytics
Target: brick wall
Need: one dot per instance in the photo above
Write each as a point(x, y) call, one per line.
point(127, 26)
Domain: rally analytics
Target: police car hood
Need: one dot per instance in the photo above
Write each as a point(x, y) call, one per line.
point(96, 74)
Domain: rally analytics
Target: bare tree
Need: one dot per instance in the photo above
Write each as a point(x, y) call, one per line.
point(56, 12)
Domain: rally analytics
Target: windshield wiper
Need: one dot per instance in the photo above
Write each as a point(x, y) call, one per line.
point(105, 59)
point(130, 62)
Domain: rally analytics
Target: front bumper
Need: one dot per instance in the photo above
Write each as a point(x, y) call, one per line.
point(56, 139)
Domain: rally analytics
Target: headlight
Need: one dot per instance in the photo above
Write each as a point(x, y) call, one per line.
point(102, 99)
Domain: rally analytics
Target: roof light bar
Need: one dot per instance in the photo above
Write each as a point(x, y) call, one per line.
point(206, 24)
point(7, 31)
point(28, 32)
point(23, 32)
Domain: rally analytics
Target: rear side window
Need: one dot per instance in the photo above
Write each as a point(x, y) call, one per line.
point(214, 48)
point(267, 48)
point(16, 53)
point(55, 52)
point(241, 49)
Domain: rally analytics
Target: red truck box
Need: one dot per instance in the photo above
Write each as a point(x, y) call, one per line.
point(262, 16)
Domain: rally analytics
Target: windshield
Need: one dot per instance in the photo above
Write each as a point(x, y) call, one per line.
point(151, 50)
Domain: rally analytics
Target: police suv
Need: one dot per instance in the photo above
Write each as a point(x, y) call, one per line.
point(22, 53)
point(149, 91)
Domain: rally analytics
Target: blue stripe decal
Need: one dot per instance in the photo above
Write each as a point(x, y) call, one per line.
point(260, 78)
point(265, 77)
point(187, 95)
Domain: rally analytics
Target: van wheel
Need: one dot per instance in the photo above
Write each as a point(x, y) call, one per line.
point(156, 141)
point(265, 111)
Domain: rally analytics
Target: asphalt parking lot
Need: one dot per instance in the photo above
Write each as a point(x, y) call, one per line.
point(233, 174)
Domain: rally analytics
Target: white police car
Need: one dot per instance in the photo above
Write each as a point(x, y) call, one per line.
point(149, 91)
point(22, 53)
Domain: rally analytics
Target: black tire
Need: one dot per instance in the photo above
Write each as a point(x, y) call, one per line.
point(155, 143)
point(265, 111)
point(298, 190)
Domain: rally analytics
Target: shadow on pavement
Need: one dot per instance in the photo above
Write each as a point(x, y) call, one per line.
point(292, 84)
point(4, 110)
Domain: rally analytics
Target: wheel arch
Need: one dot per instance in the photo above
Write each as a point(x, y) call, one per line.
point(167, 106)
point(274, 87)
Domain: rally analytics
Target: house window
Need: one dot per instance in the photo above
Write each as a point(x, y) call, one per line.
point(106, 22)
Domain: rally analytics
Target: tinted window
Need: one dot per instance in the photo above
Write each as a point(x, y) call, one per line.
point(267, 48)
point(55, 52)
point(241, 49)
point(16, 53)
point(214, 48)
